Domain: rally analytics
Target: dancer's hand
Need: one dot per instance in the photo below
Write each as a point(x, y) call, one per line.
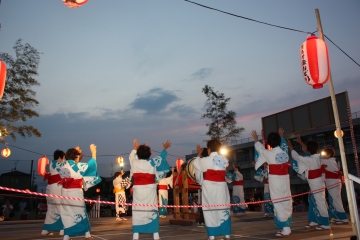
point(254, 135)
point(93, 150)
point(167, 144)
point(136, 144)
point(199, 150)
point(281, 132)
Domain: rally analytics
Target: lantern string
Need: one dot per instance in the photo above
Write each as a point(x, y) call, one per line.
point(104, 155)
point(342, 51)
point(269, 24)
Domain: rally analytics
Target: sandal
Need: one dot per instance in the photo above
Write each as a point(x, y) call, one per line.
point(322, 227)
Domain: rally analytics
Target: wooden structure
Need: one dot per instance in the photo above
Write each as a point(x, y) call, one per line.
point(181, 185)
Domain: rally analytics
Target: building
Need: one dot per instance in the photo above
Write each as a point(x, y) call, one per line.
point(243, 155)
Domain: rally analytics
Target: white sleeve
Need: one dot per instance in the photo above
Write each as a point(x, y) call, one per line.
point(262, 153)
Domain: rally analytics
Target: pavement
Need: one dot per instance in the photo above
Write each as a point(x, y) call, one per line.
point(252, 226)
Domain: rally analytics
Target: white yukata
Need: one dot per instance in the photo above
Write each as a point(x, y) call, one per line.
point(279, 180)
point(318, 211)
point(53, 220)
point(262, 175)
point(214, 191)
point(120, 185)
point(333, 182)
point(238, 191)
point(145, 173)
point(163, 186)
point(76, 176)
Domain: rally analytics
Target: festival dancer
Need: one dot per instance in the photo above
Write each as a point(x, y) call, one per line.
point(163, 186)
point(214, 190)
point(120, 185)
point(333, 184)
point(279, 180)
point(238, 190)
point(145, 172)
point(317, 213)
point(53, 220)
point(262, 175)
point(75, 176)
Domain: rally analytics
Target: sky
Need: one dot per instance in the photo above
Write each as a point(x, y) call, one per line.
point(111, 71)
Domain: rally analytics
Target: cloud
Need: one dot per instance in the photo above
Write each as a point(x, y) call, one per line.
point(202, 74)
point(154, 101)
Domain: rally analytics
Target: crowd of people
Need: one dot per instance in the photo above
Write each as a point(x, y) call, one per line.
point(151, 178)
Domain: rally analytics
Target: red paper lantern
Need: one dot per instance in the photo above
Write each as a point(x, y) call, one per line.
point(74, 3)
point(179, 162)
point(98, 190)
point(2, 78)
point(43, 161)
point(315, 62)
point(5, 152)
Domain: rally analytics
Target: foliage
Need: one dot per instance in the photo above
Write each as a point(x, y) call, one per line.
point(223, 126)
point(19, 97)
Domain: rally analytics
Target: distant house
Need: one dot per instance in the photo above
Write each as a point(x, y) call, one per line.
point(15, 179)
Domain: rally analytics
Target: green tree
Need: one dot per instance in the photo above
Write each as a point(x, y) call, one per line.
point(223, 126)
point(19, 97)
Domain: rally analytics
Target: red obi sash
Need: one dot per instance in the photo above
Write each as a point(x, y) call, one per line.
point(332, 175)
point(215, 175)
point(71, 183)
point(162, 187)
point(279, 169)
point(266, 181)
point(143, 178)
point(238, 183)
point(52, 178)
point(316, 173)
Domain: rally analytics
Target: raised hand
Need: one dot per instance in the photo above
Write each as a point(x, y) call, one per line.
point(136, 144)
point(93, 150)
point(289, 144)
point(254, 135)
point(199, 150)
point(167, 144)
point(281, 132)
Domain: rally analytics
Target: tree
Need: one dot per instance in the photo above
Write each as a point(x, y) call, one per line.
point(223, 126)
point(19, 98)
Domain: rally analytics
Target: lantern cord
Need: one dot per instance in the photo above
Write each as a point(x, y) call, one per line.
point(247, 18)
point(342, 51)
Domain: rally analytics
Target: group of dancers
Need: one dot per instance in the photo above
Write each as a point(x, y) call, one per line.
point(67, 176)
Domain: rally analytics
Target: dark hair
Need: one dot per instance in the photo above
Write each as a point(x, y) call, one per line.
point(144, 152)
point(312, 147)
point(238, 168)
point(168, 174)
point(204, 153)
point(214, 145)
point(117, 174)
point(329, 151)
point(58, 154)
point(71, 154)
point(273, 139)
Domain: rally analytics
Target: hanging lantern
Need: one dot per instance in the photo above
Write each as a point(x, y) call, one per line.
point(43, 161)
point(5, 152)
point(98, 190)
point(179, 162)
point(74, 3)
point(268, 147)
point(315, 62)
point(336, 135)
point(120, 161)
point(2, 78)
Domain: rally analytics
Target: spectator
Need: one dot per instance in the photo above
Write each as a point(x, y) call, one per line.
point(7, 210)
point(22, 206)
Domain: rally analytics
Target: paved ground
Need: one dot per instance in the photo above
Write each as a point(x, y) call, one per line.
point(251, 226)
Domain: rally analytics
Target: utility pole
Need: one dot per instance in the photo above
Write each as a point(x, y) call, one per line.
point(349, 191)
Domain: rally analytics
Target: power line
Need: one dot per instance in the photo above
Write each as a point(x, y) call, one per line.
point(246, 18)
point(273, 25)
point(342, 51)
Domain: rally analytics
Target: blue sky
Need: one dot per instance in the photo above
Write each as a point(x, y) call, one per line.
point(111, 71)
